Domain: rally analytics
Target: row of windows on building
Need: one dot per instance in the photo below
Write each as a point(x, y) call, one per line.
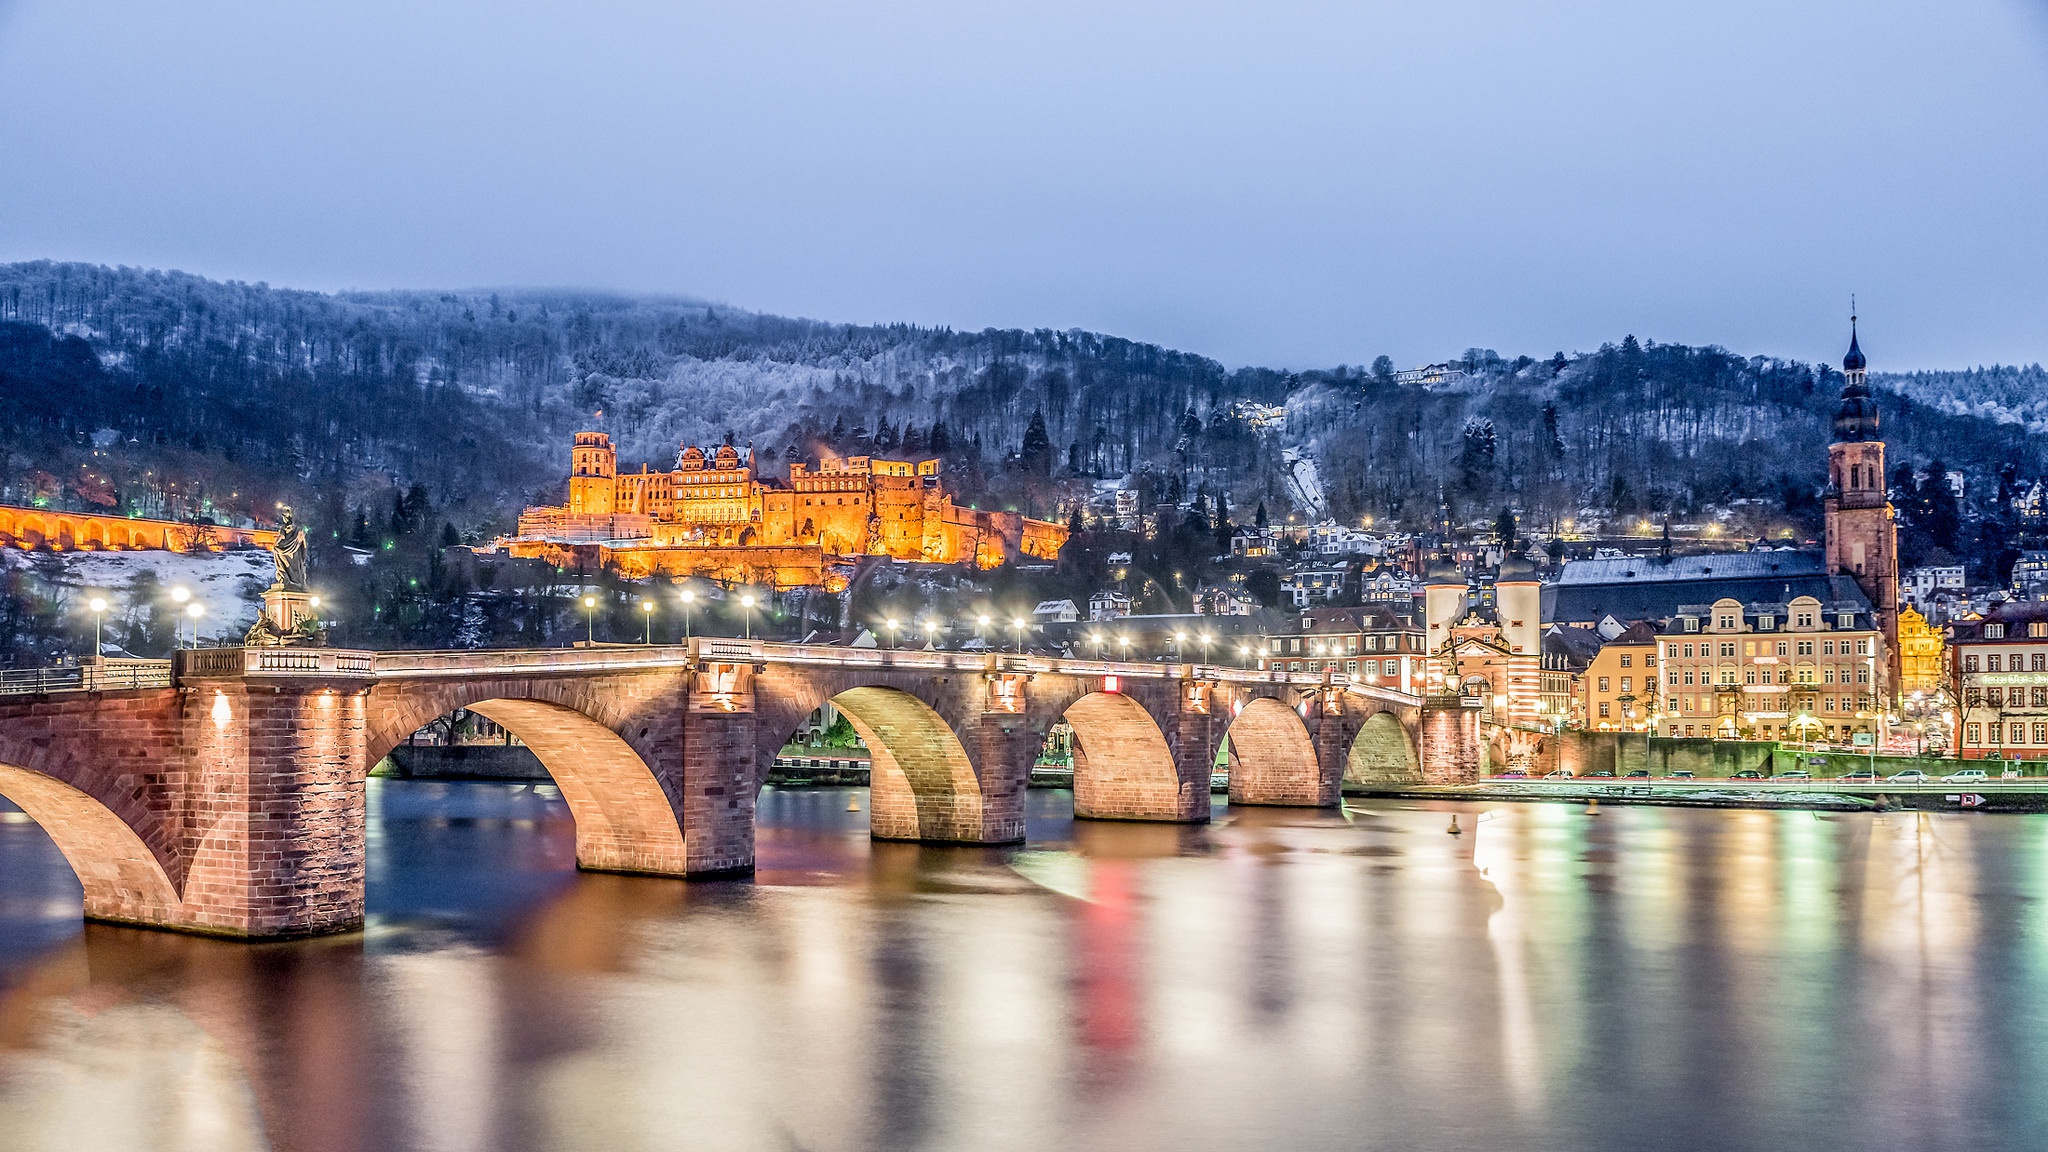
point(1354, 667)
point(2004, 698)
point(2005, 732)
point(1730, 622)
point(1754, 675)
point(1344, 645)
point(1850, 704)
point(1727, 648)
point(2017, 662)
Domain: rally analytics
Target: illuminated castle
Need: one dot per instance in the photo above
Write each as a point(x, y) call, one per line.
point(713, 516)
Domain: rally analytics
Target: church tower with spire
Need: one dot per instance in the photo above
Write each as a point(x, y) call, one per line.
point(1862, 540)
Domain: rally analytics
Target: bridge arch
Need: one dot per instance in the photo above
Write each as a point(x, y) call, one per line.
point(1123, 766)
point(626, 818)
point(921, 784)
point(1273, 756)
point(1383, 753)
point(122, 878)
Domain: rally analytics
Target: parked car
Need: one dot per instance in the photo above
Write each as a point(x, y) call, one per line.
point(1794, 774)
point(1746, 774)
point(1600, 774)
point(1909, 776)
point(1859, 775)
point(1558, 774)
point(1638, 774)
point(1512, 774)
point(1965, 776)
point(1681, 774)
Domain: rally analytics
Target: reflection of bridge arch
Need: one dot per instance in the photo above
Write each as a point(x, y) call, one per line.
point(627, 819)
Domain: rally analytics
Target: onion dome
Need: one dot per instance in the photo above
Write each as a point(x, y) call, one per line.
point(1443, 569)
point(1515, 568)
point(1853, 362)
point(1856, 415)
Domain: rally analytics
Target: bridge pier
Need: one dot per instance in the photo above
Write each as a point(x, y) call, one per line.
point(1450, 746)
point(717, 784)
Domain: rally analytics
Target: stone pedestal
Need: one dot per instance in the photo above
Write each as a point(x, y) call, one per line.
point(288, 610)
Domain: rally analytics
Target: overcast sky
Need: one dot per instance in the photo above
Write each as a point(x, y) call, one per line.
point(1279, 182)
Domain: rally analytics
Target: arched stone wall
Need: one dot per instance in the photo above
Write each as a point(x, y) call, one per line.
point(1273, 757)
point(122, 878)
point(1123, 768)
point(1383, 753)
point(921, 785)
point(615, 755)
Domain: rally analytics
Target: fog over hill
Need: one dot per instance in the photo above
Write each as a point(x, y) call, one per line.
point(234, 396)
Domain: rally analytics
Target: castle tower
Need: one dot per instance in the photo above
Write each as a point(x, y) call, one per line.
point(1862, 540)
point(593, 475)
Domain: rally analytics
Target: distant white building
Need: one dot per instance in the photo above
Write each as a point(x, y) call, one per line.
point(1223, 602)
point(1918, 586)
point(1108, 606)
point(1055, 612)
point(1127, 509)
point(1330, 538)
point(2031, 569)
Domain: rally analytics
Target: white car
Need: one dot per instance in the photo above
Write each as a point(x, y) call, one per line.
point(1909, 776)
point(1966, 776)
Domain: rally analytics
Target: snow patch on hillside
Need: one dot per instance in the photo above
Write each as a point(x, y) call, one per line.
point(229, 584)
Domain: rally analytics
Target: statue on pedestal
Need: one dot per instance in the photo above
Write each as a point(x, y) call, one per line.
point(288, 605)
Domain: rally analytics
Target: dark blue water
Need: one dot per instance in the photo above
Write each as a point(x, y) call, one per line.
point(1551, 979)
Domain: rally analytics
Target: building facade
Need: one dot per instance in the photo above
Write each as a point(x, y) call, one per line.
point(712, 510)
point(1999, 682)
point(1802, 670)
point(1921, 656)
point(1620, 682)
point(1375, 644)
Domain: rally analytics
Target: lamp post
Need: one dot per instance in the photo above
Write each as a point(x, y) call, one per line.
point(747, 603)
point(889, 626)
point(179, 596)
point(1124, 638)
point(1205, 646)
point(1179, 645)
point(590, 621)
point(981, 627)
point(1018, 625)
point(647, 622)
point(195, 610)
point(688, 598)
point(98, 604)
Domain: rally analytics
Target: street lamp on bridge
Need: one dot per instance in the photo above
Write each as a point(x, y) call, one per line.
point(1018, 625)
point(647, 622)
point(179, 596)
point(889, 626)
point(98, 604)
point(590, 621)
point(688, 598)
point(747, 603)
point(195, 610)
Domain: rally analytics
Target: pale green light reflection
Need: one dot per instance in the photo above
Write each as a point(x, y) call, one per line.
point(1806, 876)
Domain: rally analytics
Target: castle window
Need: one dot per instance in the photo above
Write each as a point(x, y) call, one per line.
point(1625, 658)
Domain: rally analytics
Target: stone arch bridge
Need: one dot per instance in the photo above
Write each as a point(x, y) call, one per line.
point(232, 801)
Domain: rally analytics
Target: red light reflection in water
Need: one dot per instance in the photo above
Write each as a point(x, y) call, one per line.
point(1109, 984)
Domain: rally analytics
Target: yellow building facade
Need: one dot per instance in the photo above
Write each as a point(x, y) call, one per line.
point(713, 515)
point(1921, 650)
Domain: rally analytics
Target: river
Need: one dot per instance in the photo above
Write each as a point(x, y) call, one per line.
point(1553, 978)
